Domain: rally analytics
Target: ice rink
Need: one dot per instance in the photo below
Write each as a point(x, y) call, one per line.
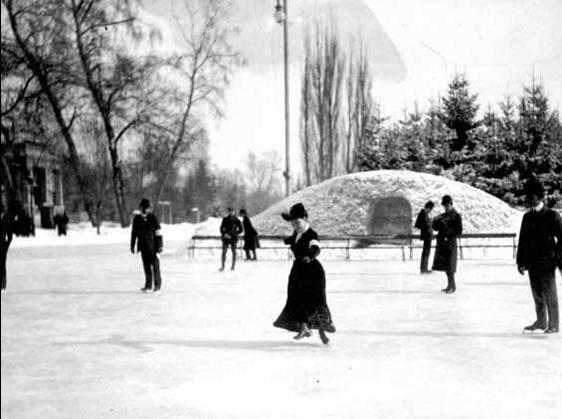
point(80, 341)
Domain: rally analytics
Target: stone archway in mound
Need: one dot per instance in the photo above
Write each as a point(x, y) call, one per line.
point(390, 215)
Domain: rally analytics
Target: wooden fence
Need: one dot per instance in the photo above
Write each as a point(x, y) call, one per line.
point(406, 243)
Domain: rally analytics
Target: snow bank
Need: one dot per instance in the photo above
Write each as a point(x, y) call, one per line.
point(340, 205)
point(84, 234)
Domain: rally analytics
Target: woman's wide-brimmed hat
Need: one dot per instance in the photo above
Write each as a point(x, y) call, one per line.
point(296, 211)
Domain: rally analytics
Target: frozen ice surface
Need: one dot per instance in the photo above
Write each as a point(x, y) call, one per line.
point(80, 341)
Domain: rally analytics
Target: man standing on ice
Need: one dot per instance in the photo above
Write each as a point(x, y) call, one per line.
point(449, 227)
point(539, 251)
point(230, 229)
point(147, 235)
point(6, 234)
point(423, 223)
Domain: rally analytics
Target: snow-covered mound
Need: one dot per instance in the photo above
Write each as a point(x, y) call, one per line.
point(340, 206)
point(209, 227)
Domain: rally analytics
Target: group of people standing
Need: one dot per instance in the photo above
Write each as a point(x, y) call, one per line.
point(449, 227)
point(230, 229)
point(539, 250)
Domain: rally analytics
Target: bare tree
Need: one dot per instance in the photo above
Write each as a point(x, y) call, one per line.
point(113, 78)
point(360, 106)
point(307, 125)
point(323, 78)
point(97, 167)
point(205, 70)
point(39, 42)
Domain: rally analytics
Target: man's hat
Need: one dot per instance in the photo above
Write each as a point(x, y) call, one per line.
point(144, 203)
point(534, 187)
point(296, 211)
point(446, 200)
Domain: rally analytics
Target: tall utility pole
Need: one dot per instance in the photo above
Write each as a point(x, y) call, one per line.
point(281, 17)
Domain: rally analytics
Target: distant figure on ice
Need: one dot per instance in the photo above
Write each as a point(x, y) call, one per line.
point(146, 233)
point(61, 222)
point(423, 223)
point(539, 251)
point(449, 227)
point(306, 307)
point(6, 235)
point(250, 236)
point(230, 229)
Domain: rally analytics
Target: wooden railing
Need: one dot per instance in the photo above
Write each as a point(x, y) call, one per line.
point(403, 242)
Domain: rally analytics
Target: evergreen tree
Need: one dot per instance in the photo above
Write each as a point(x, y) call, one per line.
point(459, 110)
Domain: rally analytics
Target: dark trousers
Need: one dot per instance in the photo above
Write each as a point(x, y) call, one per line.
point(543, 287)
point(225, 245)
point(425, 255)
point(451, 281)
point(3, 256)
point(151, 265)
point(251, 254)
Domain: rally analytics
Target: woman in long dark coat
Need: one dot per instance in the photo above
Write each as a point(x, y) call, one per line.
point(250, 236)
point(306, 307)
point(449, 227)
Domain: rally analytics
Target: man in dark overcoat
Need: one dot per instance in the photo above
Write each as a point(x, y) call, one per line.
point(61, 223)
point(6, 235)
point(147, 236)
point(250, 236)
point(423, 223)
point(539, 251)
point(230, 229)
point(448, 226)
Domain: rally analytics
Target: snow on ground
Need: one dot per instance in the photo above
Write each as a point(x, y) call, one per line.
point(84, 234)
point(341, 205)
point(80, 341)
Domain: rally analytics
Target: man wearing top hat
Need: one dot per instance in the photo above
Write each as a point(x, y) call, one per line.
point(147, 236)
point(449, 227)
point(538, 252)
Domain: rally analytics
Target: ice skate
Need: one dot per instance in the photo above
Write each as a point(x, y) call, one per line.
point(325, 340)
point(533, 327)
point(304, 333)
point(551, 330)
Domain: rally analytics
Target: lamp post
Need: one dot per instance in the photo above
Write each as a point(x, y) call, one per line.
point(281, 18)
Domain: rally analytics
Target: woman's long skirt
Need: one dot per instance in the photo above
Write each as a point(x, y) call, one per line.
point(306, 299)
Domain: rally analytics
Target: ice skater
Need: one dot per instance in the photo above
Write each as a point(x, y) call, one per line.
point(250, 236)
point(147, 235)
point(449, 227)
point(6, 235)
point(306, 307)
point(61, 222)
point(423, 223)
point(539, 251)
point(230, 229)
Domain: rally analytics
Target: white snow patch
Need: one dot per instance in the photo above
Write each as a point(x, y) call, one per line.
point(340, 206)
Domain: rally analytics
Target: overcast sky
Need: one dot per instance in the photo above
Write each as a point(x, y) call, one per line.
point(415, 48)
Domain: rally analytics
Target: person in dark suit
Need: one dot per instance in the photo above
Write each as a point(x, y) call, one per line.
point(6, 235)
point(61, 222)
point(250, 236)
point(230, 229)
point(449, 227)
point(423, 223)
point(147, 236)
point(539, 251)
